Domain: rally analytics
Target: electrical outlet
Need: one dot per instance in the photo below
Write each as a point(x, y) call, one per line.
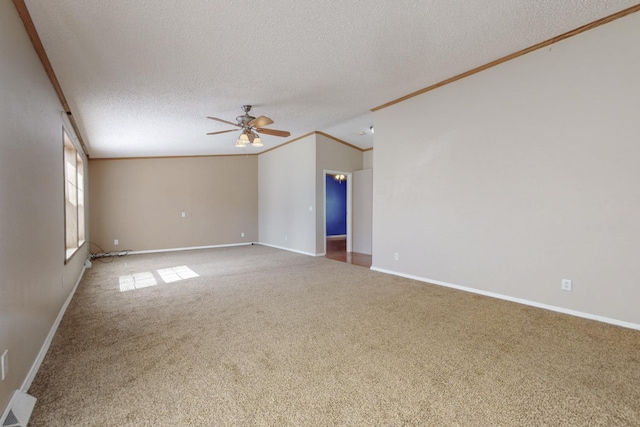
point(285, 237)
point(241, 234)
point(184, 214)
point(566, 285)
point(396, 256)
point(115, 242)
point(4, 364)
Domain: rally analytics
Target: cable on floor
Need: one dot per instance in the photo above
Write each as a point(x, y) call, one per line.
point(103, 256)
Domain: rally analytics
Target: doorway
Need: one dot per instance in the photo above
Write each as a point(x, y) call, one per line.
point(338, 202)
point(337, 206)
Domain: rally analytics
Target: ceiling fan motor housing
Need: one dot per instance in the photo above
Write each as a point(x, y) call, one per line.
point(245, 118)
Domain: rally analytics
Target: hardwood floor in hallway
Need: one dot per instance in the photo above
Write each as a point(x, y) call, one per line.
point(337, 250)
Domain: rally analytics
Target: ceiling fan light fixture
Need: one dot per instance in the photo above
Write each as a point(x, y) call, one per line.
point(257, 142)
point(242, 141)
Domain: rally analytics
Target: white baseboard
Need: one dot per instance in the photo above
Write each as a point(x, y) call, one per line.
point(47, 342)
point(517, 300)
point(287, 249)
point(154, 251)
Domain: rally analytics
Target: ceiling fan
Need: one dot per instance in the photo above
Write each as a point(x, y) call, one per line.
point(250, 126)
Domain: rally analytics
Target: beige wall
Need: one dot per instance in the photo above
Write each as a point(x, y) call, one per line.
point(362, 210)
point(292, 191)
point(287, 196)
point(367, 159)
point(333, 156)
point(34, 281)
point(523, 174)
point(140, 202)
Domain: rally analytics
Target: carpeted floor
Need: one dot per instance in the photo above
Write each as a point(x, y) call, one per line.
point(263, 337)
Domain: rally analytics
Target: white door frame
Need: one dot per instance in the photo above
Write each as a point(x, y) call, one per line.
point(349, 176)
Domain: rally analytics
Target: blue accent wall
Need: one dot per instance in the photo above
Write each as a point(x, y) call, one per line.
point(336, 207)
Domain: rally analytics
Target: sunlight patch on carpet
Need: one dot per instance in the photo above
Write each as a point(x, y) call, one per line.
point(175, 274)
point(146, 279)
point(137, 281)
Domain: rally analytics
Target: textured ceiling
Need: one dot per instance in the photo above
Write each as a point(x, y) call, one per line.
point(142, 76)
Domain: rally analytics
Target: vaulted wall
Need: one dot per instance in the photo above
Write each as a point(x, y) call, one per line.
point(34, 280)
point(522, 175)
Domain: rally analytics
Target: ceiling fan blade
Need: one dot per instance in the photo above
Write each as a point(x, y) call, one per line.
point(274, 132)
point(223, 121)
point(222, 131)
point(260, 122)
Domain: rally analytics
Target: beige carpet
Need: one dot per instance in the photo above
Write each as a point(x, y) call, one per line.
point(264, 337)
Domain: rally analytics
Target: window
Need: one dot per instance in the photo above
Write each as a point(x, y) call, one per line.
point(73, 197)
